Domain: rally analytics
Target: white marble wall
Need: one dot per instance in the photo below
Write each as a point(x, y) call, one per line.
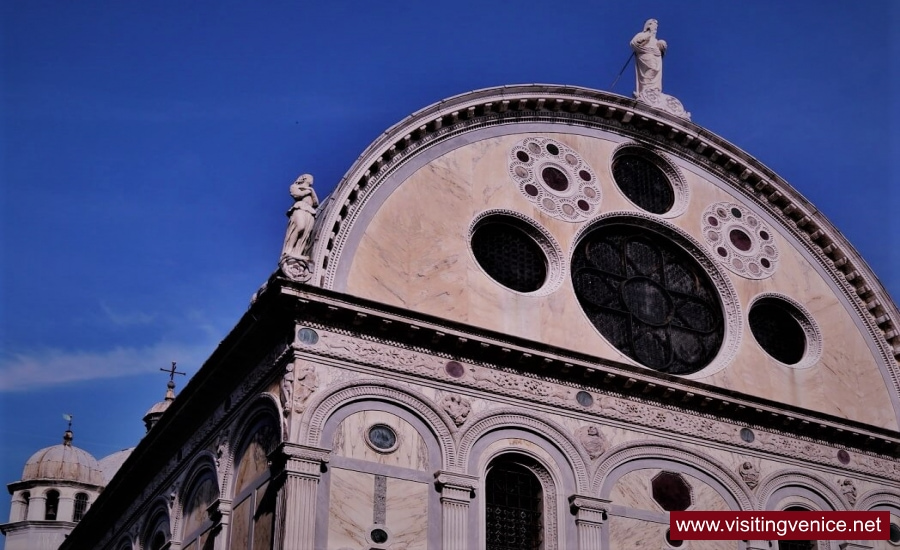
point(415, 254)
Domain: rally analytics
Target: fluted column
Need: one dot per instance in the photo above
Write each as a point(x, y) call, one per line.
point(590, 513)
point(220, 513)
point(295, 513)
point(456, 493)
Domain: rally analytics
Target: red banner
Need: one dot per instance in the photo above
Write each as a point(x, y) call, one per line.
point(768, 525)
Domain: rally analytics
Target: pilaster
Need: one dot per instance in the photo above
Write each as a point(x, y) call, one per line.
point(456, 494)
point(590, 514)
point(300, 470)
point(220, 514)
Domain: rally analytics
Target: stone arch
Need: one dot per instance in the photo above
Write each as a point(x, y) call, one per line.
point(203, 467)
point(325, 405)
point(158, 523)
point(514, 419)
point(655, 454)
point(784, 483)
point(880, 499)
point(254, 412)
point(548, 478)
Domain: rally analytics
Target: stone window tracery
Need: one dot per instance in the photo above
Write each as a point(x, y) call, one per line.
point(740, 240)
point(648, 297)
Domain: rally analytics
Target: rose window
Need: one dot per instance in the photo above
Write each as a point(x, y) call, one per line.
point(555, 178)
point(649, 298)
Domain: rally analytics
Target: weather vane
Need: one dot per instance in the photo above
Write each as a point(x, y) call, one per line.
point(68, 418)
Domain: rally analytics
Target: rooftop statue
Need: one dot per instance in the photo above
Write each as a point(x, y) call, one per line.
point(648, 64)
point(298, 240)
point(648, 54)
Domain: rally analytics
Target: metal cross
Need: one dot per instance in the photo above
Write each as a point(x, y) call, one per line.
point(172, 372)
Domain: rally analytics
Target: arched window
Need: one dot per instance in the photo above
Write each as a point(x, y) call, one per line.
point(26, 500)
point(52, 505)
point(253, 513)
point(796, 544)
point(513, 508)
point(159, 540)
point(197, 524)
point(81, 503)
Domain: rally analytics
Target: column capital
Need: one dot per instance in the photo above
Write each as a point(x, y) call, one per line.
point(589, 509)
point(454, 480)
point(295, 459)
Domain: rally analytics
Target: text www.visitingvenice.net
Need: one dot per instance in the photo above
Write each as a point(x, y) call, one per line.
point(790, 525)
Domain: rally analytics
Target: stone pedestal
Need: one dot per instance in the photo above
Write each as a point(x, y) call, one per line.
point(590, 513)
point(456, 494)
point(300, 469)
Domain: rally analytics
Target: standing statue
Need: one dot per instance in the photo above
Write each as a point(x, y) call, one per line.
point(301, 217)
point(648, 54)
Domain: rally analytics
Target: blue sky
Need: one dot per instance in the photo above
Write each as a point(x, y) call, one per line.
point(147, 148)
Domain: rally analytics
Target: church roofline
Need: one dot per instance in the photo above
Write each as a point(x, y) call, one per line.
point(265, 334)
point(585, 107)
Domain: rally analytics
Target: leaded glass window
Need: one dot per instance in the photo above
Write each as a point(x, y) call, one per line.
point(514, 501)
point(644, 183)
point(510, 256)
point(649, 298)
point(774, 324)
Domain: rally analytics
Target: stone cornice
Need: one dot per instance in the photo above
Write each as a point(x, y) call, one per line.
point(426, 334)
point(577, 106)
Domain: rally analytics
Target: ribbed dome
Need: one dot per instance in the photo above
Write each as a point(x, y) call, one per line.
point(109, 465)
point(63, 462)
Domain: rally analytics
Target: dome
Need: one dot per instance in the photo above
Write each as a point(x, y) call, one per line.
point(63, 462)
point(109, 465)
point(156, 411)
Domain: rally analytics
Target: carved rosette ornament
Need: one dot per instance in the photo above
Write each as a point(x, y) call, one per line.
point(739, 240)
point(555, 178)
point(750, 474)
point(592, 441)
point(457, 407)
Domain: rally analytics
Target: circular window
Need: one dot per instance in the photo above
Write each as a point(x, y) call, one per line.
point(510, 256)
point(378, 536)
point(673, 543)
point(382, 438)
point(513, 251)
point(784, 330)
point(643, 183)
point(649, 181)
point(649, 298)
point(895, 534)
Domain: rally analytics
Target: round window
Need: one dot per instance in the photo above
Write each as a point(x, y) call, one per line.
point(643, 183)
point(895, 534)
point(382, 437)
point(649, 298)
point(777, 326)
point(510, 256)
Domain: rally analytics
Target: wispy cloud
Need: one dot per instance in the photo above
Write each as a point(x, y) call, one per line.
point(53, 367)
point(121, 319)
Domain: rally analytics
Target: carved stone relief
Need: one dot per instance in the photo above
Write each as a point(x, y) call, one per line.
point(750, 474)
point(848, 489)
point(612, 407)
point(592, 441)
point(457, 407)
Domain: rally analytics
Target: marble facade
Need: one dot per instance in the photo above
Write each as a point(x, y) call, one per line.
point(399, 332)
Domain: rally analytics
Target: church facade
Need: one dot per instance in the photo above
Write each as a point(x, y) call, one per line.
point(535, 317)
